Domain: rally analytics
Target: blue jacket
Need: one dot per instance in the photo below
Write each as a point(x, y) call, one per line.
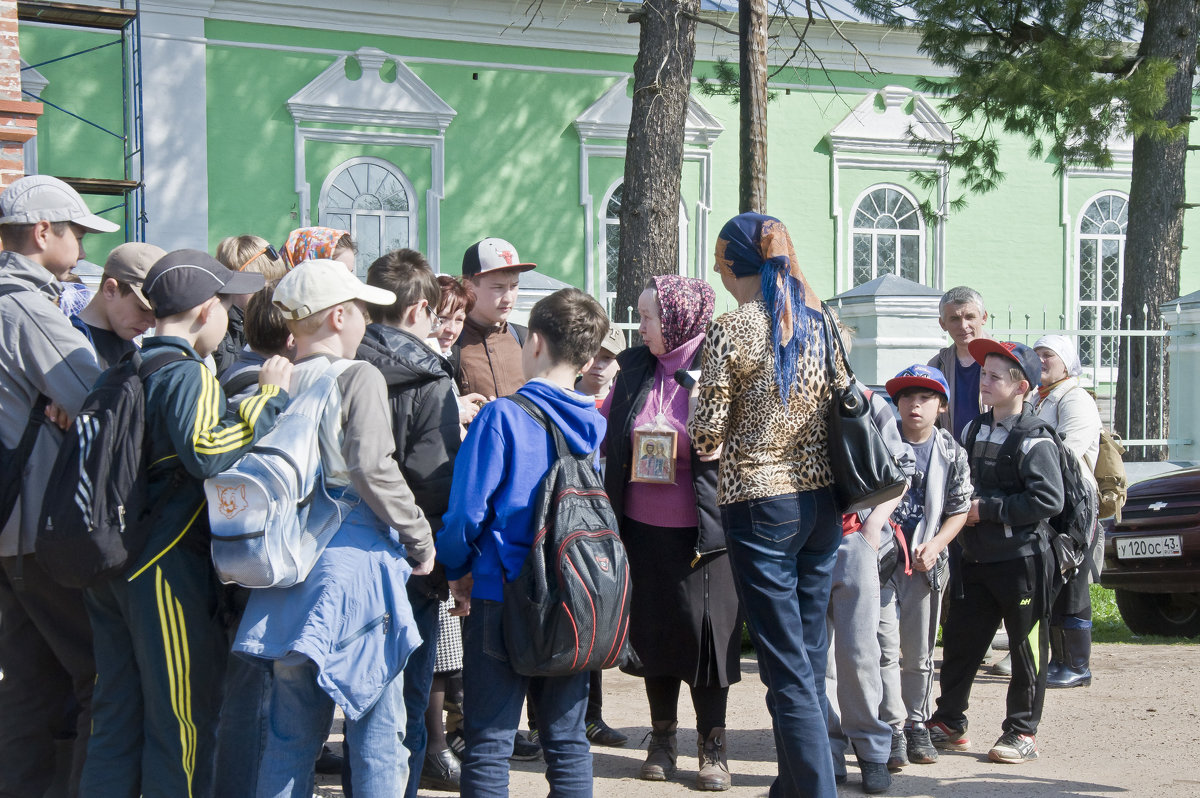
point(489, 526)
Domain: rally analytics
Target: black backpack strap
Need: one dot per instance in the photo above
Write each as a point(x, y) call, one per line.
point(539, 415)
point(148, 364)
point(240, 382)
point(518, 332)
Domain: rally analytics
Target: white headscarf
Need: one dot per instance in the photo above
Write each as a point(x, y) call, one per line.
point(1062, 346)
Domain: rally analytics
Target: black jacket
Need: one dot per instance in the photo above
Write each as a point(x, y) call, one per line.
point(424, 422)
point(231, 346)
point(630, 389)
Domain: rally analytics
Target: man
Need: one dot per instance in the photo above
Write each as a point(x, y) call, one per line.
point(490, 360)
point(45, 639)
point(962, 315)
point(119, 312)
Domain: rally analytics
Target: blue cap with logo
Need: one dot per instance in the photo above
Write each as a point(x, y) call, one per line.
point(918, 376)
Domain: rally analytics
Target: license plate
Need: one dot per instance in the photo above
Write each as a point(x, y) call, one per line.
point(1161, 546)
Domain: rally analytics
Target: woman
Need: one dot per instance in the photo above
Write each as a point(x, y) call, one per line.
point(456, 303)
point(684, 623)
point(309, 243)
point(1074, 415)
point(763, 398)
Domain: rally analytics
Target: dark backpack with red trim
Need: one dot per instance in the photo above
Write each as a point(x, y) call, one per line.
point(568, 609)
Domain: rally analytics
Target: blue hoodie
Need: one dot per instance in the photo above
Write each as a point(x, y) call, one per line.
point(489, 527)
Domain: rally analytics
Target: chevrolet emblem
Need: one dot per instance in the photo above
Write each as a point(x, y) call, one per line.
point(1158, 506)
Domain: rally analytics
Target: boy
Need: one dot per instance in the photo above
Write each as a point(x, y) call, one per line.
point(45, 640)
point(1006, 568)
point(930, 515)
point(343, 634)
point(119, 311)
point(160, 644)
point(597, 380)
point(266, 335)
point(487, 535)
point(489, 346)
point(424, 417)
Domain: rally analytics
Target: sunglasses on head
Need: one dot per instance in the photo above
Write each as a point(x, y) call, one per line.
point(271, 252)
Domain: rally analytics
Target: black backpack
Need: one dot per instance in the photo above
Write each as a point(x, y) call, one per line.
point(95, 521)
point(568, 609)
point(1073, 530)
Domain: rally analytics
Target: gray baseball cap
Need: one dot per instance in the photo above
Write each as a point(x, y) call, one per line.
point(42, 198)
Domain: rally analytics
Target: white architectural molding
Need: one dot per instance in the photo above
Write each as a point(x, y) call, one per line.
point(406, 102)
point(879, 134)
point(174, 92)
point(608, 118)
point(33, 83)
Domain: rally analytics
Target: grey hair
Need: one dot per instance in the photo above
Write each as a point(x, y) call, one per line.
point(961, 295)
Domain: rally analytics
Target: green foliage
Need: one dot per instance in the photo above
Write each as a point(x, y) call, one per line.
point(1064, 74)
point(726, 82)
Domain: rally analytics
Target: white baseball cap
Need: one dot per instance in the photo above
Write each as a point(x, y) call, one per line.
point(42, 198)
point(318, 284)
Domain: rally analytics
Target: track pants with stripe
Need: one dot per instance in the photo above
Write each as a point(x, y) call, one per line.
point(1019, 593)
point(160, 657)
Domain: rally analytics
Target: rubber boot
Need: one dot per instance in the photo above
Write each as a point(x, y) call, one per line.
point(1058, 654)
point(714, 770)
point(1076, 672)
point(661, 753)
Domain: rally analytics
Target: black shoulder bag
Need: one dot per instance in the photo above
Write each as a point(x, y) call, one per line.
point(865, 474)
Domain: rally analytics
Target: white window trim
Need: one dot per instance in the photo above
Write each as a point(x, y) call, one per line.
point(921, 232)
point(603, 291)
point(391, 168)
point(1099, 374)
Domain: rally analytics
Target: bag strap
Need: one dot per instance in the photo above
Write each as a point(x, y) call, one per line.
point(833, 337)
point(539, 415)
point(240, 382)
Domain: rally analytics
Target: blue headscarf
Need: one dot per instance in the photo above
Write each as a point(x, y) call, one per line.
point(752, 243)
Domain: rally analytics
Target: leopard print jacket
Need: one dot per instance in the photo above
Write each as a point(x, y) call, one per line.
point(769, 450)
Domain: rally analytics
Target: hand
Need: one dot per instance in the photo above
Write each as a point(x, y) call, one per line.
point(468, 407)
point(424, 567)
point(460, 589)
point(973, 513)
point(925, 557)
point(57, 415)
point(277, 370)
point(710, 456)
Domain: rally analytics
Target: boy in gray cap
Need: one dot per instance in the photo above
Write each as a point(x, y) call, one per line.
point(45, 640)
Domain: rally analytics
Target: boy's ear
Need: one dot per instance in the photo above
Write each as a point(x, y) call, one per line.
point(587, 365)
point(206, 308)
point(110, 289)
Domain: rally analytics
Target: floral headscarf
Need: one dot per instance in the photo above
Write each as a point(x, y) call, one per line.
point(756, 244)
point(310, 243)
point(687, 308)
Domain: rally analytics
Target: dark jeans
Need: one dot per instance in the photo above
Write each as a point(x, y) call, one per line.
point(492, 698)
point(46, 659)
point(418, 678)
point(1017, 592)
point(782, 550)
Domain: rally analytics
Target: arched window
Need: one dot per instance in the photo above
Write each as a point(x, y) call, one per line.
point(374, 201)
point(887, 236)
point(611, 244)
point(1101, 270)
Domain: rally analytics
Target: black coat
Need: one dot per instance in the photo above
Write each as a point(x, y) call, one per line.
point(629, 392)
point(424, 420)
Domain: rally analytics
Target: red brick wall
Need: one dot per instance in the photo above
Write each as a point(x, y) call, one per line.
point(18, 119)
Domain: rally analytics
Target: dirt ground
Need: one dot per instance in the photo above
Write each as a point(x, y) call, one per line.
point(1134, 732)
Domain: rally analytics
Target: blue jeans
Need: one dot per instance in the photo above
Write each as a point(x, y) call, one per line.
point(418, 678)
point(782, 550)
point(298, 716)
point(492, 696)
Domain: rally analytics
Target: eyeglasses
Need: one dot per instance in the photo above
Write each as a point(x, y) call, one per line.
point(272, 253)
point(434, 319)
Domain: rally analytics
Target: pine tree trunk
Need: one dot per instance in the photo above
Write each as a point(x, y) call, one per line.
point(662, 77)
point(752, 183)
point(1154, 237)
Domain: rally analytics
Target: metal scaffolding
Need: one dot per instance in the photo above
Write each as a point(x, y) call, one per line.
point(124, 21)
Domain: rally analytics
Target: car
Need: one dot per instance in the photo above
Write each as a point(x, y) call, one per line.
point(1152, 555)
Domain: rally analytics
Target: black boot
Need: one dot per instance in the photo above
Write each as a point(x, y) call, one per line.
point(1058, 654)
point(1076, 671)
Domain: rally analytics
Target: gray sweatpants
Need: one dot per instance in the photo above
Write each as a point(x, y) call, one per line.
point(852, 680)
point(908, 624)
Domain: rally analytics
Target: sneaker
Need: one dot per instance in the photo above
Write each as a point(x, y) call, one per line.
point(1013, 748)
point(896, 758)
point(946, 737)
point(919, 747)
point(457, 743)
point(600, 733)
point(525, 750)
point(875, 777)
